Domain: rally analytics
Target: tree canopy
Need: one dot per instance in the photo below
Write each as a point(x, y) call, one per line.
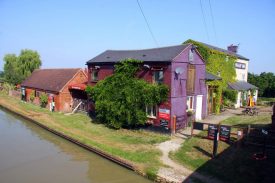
point(18, 68)
point(265, 82)
point(121, 99)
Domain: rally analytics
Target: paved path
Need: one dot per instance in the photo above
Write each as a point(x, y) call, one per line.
point(175, 172)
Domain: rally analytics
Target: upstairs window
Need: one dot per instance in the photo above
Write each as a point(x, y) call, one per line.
point(191, 55)
point(151, 111)
point(240, 65)
point(158, 77)
point(94, 75)
point(191, 79)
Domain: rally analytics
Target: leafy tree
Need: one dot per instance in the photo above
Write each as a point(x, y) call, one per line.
point(265, 82)
point(1, 74)
point(11, 71)
point(121, 99)
point(16, 69)
point(28, 61)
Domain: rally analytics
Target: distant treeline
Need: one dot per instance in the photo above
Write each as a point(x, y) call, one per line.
point(265, 82)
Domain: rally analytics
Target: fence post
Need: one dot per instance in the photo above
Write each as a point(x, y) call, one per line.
point(174, 125)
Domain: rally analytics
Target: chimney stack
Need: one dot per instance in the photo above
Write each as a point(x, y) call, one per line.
point(233, 48)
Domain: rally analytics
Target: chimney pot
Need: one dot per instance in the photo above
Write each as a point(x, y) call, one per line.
point(233, 48)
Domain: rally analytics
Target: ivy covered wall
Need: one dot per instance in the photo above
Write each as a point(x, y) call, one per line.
point(220, 64)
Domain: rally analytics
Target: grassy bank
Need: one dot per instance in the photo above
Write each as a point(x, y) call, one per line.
point(195, 153)
point(134, 146)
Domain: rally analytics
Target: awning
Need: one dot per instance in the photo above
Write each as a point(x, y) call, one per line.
point(211, 77)
point(78, 86)
point(241, 86)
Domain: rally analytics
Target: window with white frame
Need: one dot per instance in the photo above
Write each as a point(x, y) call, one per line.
point(158, 76)
point(151, 111)
point(240, 65)
point(189, 103)
point(94, 75)
point(191, 55)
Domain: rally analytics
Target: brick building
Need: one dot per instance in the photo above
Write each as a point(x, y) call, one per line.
point(64, 87)
point(180, 67)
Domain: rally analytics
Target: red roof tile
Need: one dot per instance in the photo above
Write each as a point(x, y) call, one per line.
point(49, 79)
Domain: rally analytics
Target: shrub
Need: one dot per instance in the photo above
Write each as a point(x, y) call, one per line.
point(32, 96)
point(120, 99)
point(230, 95)
point(7, 87)
point(43, 99)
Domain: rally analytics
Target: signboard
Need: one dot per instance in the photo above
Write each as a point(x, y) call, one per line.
point(198, 126)
point(225, 133)
point(211, 130)
point(164, 123)
point(164, 114)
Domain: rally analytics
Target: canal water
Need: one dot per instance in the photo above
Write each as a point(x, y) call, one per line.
point(29, 154)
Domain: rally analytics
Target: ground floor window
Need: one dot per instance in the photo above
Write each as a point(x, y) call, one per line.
point(37, 93)
point(151, 111)
point(190, 103)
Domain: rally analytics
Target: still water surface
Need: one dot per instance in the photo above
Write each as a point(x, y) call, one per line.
point(29, 154)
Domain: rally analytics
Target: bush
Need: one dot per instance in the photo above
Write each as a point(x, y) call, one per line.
point(32, 96)
point(230, 95)
point(7, 87)
point(121, 99)
point(43, 100)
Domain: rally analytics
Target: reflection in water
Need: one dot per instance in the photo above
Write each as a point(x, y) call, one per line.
point(30, 154)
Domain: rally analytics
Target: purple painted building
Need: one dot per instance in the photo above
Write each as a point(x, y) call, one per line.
point(180, 67)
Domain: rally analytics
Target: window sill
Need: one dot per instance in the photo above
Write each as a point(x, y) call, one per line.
point(152, 117)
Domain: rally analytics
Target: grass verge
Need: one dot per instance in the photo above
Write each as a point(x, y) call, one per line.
point(233, 164)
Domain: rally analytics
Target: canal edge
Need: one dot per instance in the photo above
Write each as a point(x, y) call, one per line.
point(88, 147)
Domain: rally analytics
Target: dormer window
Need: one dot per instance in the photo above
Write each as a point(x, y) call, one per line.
point(191, 55)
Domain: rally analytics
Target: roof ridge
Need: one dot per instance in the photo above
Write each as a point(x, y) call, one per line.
point(153, 48)
point(57, 68)
point(222, 49)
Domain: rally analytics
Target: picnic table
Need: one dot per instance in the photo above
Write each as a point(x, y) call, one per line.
point(251, 111)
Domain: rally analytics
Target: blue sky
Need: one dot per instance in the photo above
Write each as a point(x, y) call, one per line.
point(68, 33)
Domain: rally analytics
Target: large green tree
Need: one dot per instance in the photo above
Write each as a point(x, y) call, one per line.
point(265, 82)
point(18, 68)
point(121, 99)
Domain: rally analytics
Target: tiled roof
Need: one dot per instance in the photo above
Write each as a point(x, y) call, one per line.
point(241, 86)
point(163, 54)
point(211, 77)
point(224, 51)
point(49, 79)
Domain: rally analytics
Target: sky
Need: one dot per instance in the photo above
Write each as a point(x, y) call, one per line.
point(67, 33)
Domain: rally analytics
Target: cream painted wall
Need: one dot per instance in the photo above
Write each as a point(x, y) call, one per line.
point(242, 74)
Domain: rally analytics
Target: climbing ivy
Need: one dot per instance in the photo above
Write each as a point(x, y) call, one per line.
point(217, 63)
